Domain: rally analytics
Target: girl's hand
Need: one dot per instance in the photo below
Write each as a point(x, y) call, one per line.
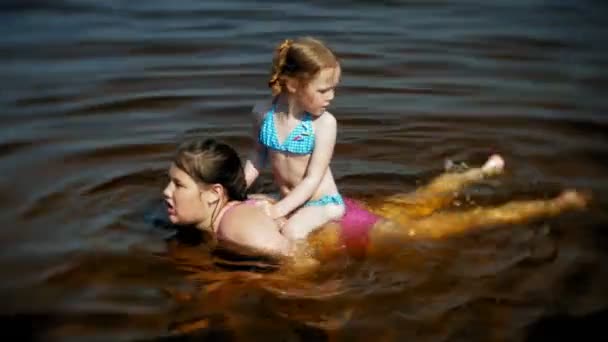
point(273, 213)
point(271, 210)
point(281, 222)
point(261, 197)
point(268, 208)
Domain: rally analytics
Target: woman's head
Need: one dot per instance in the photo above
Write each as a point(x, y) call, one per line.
point(203, 176)
point(307, 69)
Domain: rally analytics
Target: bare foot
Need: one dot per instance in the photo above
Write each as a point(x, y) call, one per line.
point(572, 199)
point(493, 166)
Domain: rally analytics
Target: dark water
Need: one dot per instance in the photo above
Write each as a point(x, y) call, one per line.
point(95, 94)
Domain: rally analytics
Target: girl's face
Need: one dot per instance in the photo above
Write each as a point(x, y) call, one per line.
point(316, 95)
point(189, 203)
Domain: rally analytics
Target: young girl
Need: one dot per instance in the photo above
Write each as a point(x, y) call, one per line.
point(298, 134)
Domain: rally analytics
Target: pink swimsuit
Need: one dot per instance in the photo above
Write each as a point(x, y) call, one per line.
point(356, 224)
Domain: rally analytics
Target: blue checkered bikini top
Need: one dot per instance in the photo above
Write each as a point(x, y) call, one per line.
point(301, 140)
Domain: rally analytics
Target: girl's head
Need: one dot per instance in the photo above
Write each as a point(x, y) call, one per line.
point(308, 71)
point(204, 175)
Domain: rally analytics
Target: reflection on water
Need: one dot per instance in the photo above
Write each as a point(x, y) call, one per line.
point(96, 95)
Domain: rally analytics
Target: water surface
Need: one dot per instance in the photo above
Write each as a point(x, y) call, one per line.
point(95, 96)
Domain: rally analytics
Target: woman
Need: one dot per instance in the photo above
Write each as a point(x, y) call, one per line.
point(207, 189)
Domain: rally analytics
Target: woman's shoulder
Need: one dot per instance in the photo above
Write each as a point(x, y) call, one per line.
point(249, 225)
point(245, 219)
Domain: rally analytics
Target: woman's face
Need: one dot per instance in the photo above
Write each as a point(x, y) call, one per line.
point(189, 203)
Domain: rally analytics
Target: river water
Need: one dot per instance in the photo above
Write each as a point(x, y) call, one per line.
point(95, 95)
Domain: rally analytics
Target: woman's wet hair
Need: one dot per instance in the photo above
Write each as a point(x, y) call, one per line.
point(212, 162)
point(301, 59)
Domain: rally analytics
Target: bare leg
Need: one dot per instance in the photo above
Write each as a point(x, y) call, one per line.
point(438, 193)
point(445, 224)
point(307, 219)
point(453, 182)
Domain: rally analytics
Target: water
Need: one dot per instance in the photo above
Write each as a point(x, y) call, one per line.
point(96, 94)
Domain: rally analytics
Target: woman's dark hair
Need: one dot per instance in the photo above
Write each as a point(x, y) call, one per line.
point(212, 162)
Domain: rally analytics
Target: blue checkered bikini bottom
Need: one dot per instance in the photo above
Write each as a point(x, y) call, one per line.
point(325, 200)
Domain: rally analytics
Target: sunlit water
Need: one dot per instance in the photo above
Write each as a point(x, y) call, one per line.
point(96, 94)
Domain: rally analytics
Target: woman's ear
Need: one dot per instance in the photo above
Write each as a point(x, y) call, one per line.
point(211, 194)
point(218, 191)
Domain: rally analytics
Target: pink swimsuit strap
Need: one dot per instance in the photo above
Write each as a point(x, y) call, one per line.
point(250, 201)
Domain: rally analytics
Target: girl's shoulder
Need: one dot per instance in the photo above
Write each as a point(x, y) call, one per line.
point(326, 119)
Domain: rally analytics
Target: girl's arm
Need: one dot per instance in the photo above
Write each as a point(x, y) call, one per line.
point(325, 140)
point(257, 156)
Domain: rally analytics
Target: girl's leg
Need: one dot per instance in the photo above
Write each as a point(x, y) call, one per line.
point(445, 224)
point(309, 218)
point(438, 193)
